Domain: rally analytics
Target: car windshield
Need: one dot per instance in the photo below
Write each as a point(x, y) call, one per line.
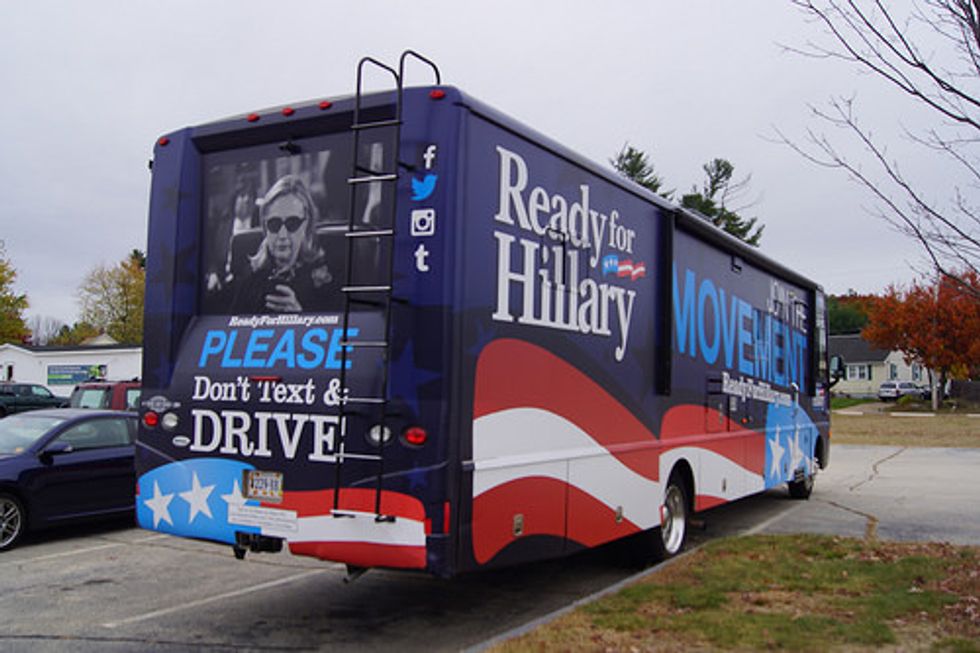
point(18, 432)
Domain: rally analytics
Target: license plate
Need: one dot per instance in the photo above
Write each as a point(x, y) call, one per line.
point(264, 486)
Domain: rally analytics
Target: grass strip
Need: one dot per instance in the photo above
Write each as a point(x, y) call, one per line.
point(795, 592)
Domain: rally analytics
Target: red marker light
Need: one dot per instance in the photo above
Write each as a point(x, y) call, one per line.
point(288, 111)
point(253, 117)
point(437, 94)
point(163, 142)
point(326, 104)
point(150, 419)
point(415, 436)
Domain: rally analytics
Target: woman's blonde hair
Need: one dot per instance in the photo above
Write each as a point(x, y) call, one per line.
point(289, 186)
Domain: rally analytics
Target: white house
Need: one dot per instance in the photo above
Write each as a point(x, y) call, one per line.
point(867, 367)
point(60, 368)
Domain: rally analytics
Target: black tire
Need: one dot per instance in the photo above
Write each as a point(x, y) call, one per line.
point(802, 489)
point(13, 521)
point(670, 536)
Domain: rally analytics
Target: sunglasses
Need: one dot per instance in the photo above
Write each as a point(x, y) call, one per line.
point(293, 222)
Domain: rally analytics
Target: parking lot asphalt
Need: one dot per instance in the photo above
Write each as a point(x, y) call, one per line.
point(893, 493)
point(124, 589)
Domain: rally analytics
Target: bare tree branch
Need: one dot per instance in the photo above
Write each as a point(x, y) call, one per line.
point(941, 73)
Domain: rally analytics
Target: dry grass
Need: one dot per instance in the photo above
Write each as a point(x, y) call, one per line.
point(799, 593)
point(942, 430)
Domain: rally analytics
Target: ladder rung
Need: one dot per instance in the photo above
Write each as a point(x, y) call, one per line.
point(372, 178)
point(366, 233)
point(365, 400)
point(363, 343)
point(366, 289)
point(374, 125)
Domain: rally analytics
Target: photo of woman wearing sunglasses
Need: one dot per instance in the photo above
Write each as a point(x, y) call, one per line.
point(289, 272)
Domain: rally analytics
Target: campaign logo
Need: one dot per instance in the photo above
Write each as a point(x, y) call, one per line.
point(625, 269)
point(423, 189)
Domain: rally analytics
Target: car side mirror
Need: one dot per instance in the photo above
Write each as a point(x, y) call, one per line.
point(55, 449)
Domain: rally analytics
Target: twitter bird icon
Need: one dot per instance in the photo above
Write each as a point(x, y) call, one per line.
point(423, 189)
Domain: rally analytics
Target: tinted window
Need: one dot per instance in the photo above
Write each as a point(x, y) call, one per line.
point(97, 433)
point(41, 391)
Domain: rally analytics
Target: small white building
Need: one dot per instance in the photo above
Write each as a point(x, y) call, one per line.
point(867, 367)
point(60, 368)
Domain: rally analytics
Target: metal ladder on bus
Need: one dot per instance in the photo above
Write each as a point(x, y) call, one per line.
point(373, 294)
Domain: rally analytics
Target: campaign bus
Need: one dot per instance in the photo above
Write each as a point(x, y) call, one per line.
point(400, 329)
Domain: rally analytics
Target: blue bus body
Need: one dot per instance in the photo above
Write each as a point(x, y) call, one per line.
point(557, 344)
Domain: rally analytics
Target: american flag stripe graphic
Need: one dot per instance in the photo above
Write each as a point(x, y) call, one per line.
point(551, 445)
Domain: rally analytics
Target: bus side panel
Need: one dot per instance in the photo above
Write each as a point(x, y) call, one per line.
point(558, 361)
point(741, 351)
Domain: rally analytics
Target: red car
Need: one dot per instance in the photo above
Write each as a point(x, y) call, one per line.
point(113, 395)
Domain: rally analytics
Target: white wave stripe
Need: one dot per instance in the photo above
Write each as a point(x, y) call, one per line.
point(714, 474)
point(517, 443)
point(360, 527)
point(522, 442)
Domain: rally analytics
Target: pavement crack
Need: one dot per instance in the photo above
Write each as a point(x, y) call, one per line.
point(874, 469)
point(870, 524)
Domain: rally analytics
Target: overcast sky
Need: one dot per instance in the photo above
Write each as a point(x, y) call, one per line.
point(89, 86)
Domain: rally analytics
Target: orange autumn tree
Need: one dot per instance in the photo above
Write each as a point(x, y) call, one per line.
point(934, 324)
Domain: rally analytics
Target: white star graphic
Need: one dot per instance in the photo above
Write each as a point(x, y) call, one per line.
point(197, 497)
point(776, 451)
point(796, 454)
point(235, 498)
point(159, 503)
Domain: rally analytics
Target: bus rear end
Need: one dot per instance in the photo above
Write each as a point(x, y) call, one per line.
point(288, 395)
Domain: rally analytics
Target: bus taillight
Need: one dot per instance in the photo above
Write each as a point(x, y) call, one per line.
point(415, 436)
point(150, 419)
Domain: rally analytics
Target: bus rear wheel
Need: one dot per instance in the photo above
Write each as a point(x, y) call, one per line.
point(670, 536)
point(803, 488)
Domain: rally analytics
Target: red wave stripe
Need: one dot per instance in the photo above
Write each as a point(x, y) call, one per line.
point(688, 425)
point(313, 503)
point(706, 501)
point(363, 554)
point(541, 501)
point(516, 374)
point(591, 522)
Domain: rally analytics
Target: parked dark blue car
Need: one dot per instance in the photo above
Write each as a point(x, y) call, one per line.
point(62, 465)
